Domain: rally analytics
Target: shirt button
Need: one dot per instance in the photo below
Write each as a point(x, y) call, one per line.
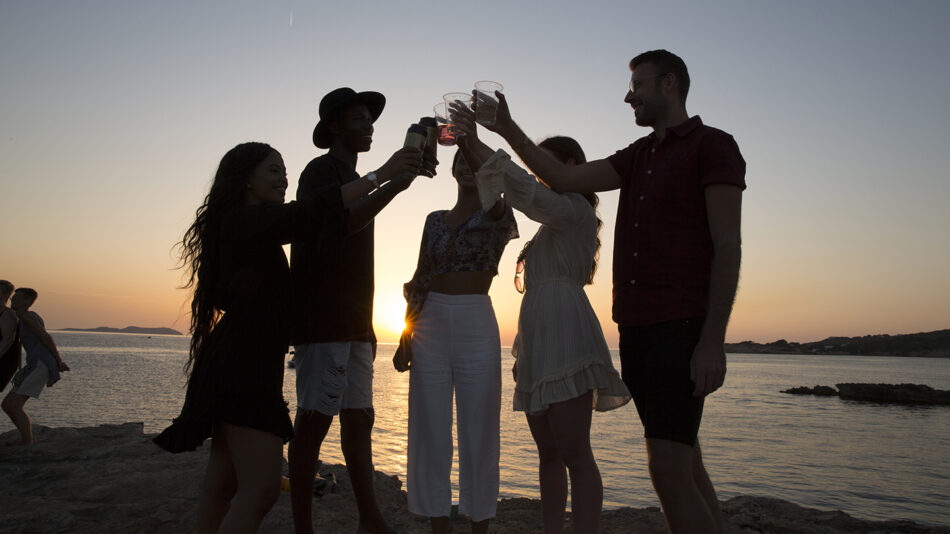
point(650, 171)
point(636, 253)
point(632, 282)
point(636, 225)
point(653, 149)
point(641, 197)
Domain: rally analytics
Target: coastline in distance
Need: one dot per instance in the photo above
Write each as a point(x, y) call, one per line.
point(156, 331)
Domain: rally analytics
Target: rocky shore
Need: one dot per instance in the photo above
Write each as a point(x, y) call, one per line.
point(111, 478)
point(882, 393)
point(924, 344)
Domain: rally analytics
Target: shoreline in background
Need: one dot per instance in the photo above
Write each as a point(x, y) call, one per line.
point(922, 345)
point(154, 331)
point(934, 344)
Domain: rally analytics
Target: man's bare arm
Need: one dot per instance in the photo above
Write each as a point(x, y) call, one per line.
point(589, 177)
point(364, 210)
point(396, 175)
point(723, 209)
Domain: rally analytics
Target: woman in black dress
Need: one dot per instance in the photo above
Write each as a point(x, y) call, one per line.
point(240, 325)
point(9, 337)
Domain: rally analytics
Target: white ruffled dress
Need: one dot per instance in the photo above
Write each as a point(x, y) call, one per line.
point(560, 348)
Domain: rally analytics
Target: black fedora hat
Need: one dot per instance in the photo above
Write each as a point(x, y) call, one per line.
point(337, 100)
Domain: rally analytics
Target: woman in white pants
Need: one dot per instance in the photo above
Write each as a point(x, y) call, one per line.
point(451, 344)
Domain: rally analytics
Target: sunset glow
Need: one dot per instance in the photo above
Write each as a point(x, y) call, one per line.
point(113, 117)
point(388, 318)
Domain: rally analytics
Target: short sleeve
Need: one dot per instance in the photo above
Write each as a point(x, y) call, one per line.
point(319, 177)
point(720, 161)
point(622, 161)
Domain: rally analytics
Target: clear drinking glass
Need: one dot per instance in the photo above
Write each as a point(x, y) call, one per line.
point(487, 102)
point(444, 124)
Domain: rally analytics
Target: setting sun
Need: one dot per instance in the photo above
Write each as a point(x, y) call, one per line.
point(389, 318)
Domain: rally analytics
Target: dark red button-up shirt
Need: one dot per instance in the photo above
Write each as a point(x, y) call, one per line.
point(662, 247)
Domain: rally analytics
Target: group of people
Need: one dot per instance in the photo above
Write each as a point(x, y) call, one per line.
point(676, 264)
point(21, 327)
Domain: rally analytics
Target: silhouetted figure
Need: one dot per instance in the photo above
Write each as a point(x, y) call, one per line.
point(240, 326)
point(676, 266)
point(333, 315)
point(9, 337)
point(452, 346)
point(563, 369)
point(43, 363)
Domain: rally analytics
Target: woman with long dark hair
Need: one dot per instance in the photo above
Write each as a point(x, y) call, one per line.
point(240, 326)
point(563, 368)
point(9, 337)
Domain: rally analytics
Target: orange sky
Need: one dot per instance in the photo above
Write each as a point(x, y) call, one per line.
point(113, 121)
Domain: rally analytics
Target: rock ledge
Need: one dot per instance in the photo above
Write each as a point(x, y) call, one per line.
point(112, 478)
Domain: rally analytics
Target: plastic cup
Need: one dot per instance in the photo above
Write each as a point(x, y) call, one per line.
point(465, 98)
point(487, 102)
point(444, 124)
point(449, 98)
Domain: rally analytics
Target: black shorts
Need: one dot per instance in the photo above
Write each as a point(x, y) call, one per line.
point(655, 366)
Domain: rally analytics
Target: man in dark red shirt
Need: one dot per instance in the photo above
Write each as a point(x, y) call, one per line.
point(676, 267)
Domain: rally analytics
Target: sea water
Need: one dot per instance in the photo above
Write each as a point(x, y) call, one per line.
point(874, 461)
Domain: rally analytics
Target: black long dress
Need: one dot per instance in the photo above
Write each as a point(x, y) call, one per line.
point(10, 360)
point(239, 370)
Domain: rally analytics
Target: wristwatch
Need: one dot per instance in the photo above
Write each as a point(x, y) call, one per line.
point(371, 176)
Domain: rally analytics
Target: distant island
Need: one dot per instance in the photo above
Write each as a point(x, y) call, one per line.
point(159, 331)
point(925, 344)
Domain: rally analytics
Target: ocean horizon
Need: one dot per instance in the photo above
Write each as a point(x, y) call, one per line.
point(873, 461)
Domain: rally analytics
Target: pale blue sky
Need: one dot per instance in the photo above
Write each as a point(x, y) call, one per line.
point(113, 116)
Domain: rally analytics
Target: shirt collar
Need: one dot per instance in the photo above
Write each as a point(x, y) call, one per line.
point(682, 129)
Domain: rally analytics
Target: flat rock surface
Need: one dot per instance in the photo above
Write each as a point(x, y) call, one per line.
point(900, 393)
point(112, 478)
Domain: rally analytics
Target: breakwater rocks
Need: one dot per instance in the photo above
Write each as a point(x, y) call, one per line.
point(893, 393)
point(112, 478)
point(820, 391)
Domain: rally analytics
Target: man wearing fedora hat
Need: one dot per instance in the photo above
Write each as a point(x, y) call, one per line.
point(333, 303)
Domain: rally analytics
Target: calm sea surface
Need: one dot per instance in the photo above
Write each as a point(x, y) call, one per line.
point(872, 461)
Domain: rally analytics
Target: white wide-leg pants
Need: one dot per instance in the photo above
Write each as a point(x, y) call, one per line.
point(455, 345)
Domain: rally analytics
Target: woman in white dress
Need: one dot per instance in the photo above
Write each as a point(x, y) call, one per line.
point(563, 368)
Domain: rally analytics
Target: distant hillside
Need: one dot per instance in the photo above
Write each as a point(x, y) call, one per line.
point(925, 344)
point(160, 331)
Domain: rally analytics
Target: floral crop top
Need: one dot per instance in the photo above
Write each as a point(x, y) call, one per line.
point(476, 245)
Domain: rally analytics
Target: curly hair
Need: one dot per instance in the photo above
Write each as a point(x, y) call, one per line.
point(199, 248)
point(565, 148)
point(6, 288)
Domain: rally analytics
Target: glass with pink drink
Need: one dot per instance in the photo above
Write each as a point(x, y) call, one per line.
point(444, 124)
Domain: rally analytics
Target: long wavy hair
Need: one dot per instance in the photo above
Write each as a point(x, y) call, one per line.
point(200, 247)
point(565, 148)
